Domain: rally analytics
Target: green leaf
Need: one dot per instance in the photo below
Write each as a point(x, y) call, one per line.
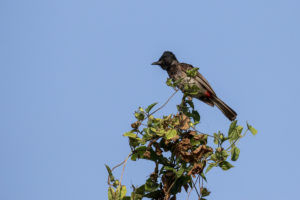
point(123, 191)
point(210, 166)
point(239, 129)
point(225, 165)
point(251, 129)
point(179, 183)
point(195, 142)
point(147, 135)
point(235, 152)
point(138, 153)
point(169, 82)
point(150, 107)
point(134, 142)
point(221, 136)
point(179, 172)
point(213, 157)
point(192, 90)
point(216, 139)
point(168, 168)
point(235, 134)
point(126, 198)
point(153, 195)
point(111, 193)
point(111, 177)
point(161, 133)
point(232, 127)
point(133, 157)
point(139, 116)
point(136, 196)
point(150, 185)
point(140, 190)
point(177, 82)
point(116, 183)
point(141, 149)
point(203, 176)
point(224, 154)
point(153, 129)
point(204, 192)
point(196, 116)
point(190, 103)
point(130, 135)
point(141, 109)
point(171, 133)
point(192, 72)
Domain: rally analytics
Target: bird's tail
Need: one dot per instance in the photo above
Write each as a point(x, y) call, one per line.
point(228, 112)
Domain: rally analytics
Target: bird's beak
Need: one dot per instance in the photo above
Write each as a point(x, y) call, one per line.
point(157, 63)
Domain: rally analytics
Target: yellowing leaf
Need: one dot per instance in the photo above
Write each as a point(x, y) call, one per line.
point(123, 191)
point(192, 72)
point(251, 129)
point(171, 133)
point(111, 193)
point(130, 134)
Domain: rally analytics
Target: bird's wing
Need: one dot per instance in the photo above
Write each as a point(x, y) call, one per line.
point(199, 78)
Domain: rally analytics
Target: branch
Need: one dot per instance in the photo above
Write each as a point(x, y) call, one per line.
point(189, 193)
point(237, 140)
point(176, 90)
point(201, 132)
point(118, 165)
point(171, 186)
point(196, 187)
point(125, 161)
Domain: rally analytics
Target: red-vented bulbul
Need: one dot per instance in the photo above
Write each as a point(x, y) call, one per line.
point(177, 71)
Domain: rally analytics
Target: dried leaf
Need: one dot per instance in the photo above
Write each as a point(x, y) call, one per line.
point(136, 124)
point(184, 122)
point(197, 169)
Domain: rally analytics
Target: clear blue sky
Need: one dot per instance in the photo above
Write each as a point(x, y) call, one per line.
point(73, 72)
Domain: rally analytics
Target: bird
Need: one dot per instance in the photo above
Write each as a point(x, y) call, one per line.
point(204, 93)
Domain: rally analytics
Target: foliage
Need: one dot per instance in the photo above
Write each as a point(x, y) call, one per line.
point(182, 154)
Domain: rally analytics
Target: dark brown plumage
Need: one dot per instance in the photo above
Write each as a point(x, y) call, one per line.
point(177, 70)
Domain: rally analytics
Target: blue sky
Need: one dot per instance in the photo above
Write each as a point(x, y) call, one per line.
point(73, 72)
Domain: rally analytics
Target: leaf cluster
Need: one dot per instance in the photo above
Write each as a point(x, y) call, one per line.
point(116, 191)
point(181, 154)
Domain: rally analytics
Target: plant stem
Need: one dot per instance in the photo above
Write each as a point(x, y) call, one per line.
point(176, 90)
point(237, 140)
point(125, 161)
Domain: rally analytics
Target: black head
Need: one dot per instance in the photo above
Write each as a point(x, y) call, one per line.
point(166, 60)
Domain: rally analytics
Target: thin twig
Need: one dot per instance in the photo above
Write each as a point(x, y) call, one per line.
point(196, 188)
point(176, 90)
point(189, 193)
point(201, 132)
point(171, 186)
point(236, 140)
point(199, 183)
point(125, 161)
point(118, 165)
